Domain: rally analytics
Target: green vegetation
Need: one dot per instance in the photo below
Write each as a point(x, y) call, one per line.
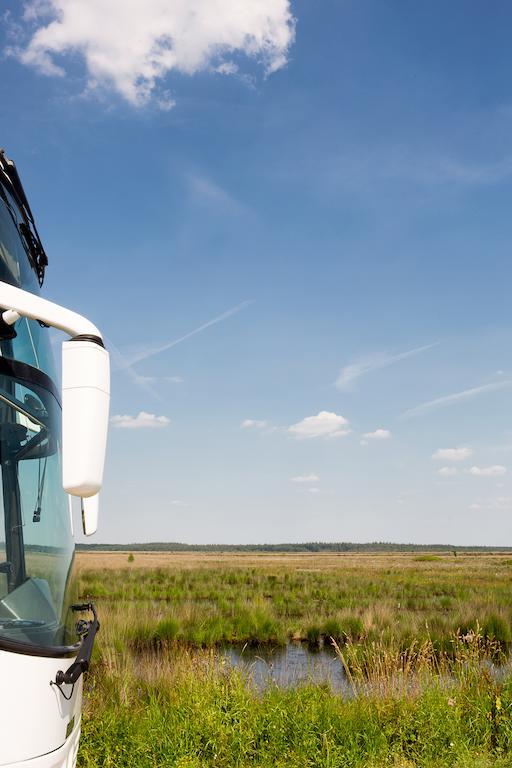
point(400, 599)
point(190, 711)
point(416, 639)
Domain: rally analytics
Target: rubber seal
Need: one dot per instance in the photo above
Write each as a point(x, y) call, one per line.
point(86, 337)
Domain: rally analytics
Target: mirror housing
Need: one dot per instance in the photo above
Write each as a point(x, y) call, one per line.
point(90, 508)
point(85, 404)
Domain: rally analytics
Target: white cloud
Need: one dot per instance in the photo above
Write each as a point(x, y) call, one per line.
point(379, 434)
point(305, 479)
point(456, 397)
point(179, 503)
point(227, 68)
point(324, 424)
point(363, 365)
point(314, 490)
point(452, 454)
point(165, 101)
point(495, 471)
point(254, 424)
point(131, 46)
point(497, 503)
point(447, 471)
point(142, 421)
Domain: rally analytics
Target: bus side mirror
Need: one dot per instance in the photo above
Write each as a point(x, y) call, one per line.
point(85, 406)
point(90, 507)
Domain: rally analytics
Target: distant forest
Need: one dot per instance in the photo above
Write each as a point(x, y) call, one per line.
point(312, 546)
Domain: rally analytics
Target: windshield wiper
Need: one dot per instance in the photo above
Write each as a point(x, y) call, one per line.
point(10, 180)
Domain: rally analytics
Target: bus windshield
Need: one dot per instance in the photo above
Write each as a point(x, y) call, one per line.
point(36, 538)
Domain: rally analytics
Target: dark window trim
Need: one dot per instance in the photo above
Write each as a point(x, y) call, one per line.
point(28, 649)
point(25, 372)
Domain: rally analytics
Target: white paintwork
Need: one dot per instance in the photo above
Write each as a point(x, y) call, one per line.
point(33, 714)
point(64, 757)
point(10, 316)
point(36, 308)
point(90, 509)
point(85, 406)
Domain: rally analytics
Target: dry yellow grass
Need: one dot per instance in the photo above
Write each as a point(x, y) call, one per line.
point(483, 563)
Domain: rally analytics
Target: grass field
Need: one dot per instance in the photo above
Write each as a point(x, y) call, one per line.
point(418, 635)
point(205, 600)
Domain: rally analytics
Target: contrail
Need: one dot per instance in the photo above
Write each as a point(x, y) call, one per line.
point(143, 355)
point(126, 364)
point(363, 365)
point(466, 394)
point(122, 364)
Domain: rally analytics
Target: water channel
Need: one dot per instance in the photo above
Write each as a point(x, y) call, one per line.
point(288, 666)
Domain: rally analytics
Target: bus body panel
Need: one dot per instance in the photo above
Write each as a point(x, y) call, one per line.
point(64, 757)
point(35, 718)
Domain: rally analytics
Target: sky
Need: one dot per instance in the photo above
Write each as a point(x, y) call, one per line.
point(291, 220)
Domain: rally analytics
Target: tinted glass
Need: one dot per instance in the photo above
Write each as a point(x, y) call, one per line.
point(36, 543)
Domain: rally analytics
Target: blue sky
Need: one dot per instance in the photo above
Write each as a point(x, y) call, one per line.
point(329, 183)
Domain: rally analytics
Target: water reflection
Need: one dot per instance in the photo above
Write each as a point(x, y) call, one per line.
point(287, 667)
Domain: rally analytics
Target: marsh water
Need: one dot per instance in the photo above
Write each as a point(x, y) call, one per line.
point(297, 663)
point(288, 666)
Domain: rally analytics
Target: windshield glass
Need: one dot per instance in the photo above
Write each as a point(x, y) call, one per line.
point(36, 553)
point(36, 541)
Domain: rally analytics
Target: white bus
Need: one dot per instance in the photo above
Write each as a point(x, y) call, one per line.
point(52, 447)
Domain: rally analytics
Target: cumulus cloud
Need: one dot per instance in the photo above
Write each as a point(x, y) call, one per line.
point(447, 471)
point(131, 46)
point(364, 365)
point(497, 503)
point(378, 434)
point(495, 471)
point(143, 420)
point(452, 454)
point(324, 424)
point(254, 424)
point(305, 479)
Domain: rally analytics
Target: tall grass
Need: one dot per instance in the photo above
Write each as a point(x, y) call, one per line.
point(189, 709)
point(207, 607)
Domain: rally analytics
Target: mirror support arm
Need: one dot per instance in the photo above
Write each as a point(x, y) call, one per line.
point(24, 304)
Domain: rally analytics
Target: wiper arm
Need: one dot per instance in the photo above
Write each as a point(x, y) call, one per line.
point(9, 399)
